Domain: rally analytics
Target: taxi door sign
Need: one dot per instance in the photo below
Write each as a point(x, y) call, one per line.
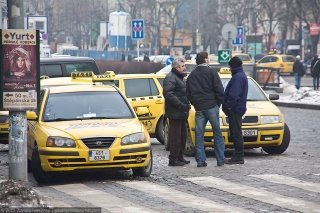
point(19, 69)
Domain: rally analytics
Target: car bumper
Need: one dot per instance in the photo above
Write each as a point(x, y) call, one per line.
point(56, 159)
point(4, 134)
point(266, 136)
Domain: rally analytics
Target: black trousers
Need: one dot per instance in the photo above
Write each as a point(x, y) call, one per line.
point(235, 124)
point(177, 138)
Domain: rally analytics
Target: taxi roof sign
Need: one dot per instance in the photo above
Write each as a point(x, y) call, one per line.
point(225, 70)
point(107, 76)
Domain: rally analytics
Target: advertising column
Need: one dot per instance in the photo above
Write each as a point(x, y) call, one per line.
point(19, 71)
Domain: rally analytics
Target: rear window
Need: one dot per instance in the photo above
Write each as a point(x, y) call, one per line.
point(244, 57)
point(79, 67)
point(288, 59)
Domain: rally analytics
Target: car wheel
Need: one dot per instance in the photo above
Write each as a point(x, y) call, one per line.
point(190, 148)
point(159, 131)
point(39, 175)
point(284, 145)
point(29, 168)
point(144, 171)
point(166, 135)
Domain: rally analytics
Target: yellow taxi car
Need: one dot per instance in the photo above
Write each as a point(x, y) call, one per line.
point(284, 62)
point(82, 127)
point(263, 124)
point(4, 127)
point(245, 58)
point(139, 89)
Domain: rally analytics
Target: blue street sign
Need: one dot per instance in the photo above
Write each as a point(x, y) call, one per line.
point(240, 36)
point(278, 44)
point(169, 60)
point(137, 29)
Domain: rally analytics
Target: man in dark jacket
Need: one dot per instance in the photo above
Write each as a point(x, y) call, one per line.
point(235, 106)
point(315, 71)
point(176, 110)
point(298, 71)
point(205, 93)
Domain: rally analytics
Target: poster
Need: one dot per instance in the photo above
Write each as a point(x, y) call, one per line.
point(19, 69)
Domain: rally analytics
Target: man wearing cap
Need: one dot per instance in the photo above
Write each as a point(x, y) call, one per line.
point(234, 106)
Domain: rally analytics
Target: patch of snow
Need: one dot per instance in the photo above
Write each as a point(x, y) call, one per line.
point(304, 95)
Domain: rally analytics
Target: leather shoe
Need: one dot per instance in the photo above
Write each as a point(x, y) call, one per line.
point(176, 163)
point(221, 163)
point(184, 161)
point(202, 164)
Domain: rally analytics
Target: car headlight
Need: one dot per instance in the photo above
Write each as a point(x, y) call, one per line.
point(270, 119)
point(134, 139)
point(220, 122)
point(60, 142)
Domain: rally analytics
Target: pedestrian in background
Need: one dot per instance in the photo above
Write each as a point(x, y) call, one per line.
point(205, 93)
point(146, 58)
point(129, 57)
point(315, 72)
point(123, 57)
point(176, 110)
point(235, 106)
point(298, 71)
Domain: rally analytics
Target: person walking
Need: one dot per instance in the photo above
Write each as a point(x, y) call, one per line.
point(176, 110)
point(146, 58)
point(123, 57)
point(315, 72)
point(298, 71)
point(234, 106)
point(205, 92)
point(129, 57)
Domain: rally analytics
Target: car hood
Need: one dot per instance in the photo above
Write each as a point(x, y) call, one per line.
point(95, 128)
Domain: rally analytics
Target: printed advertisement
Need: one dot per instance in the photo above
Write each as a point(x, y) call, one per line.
point(19, 69)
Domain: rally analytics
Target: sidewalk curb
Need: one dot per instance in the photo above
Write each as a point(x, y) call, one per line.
point(297, 105)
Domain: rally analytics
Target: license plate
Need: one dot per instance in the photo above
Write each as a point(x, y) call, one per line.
point(95, 155)
point(249, 132)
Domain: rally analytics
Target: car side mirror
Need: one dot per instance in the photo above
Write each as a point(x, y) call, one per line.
point(273, 96)
point(31, 115)
point(142, 111)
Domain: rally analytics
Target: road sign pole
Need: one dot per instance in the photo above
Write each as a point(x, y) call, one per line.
point(138, 49)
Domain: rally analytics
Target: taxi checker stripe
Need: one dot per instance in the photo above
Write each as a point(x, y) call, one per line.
point(98, 198)
point(256, 194)
point(147, 98)
point(182, 198)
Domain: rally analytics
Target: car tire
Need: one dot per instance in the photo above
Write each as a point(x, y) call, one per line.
point(39, 175)
point(29, 167)
point(284, 145)
point(144, 171)
point(190, 148)
point(159, 131)
point(166, 135)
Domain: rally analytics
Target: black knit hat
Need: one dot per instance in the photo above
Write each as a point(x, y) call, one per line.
point(235, 62)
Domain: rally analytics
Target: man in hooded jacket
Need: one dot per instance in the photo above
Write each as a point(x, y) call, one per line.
point(234, 106)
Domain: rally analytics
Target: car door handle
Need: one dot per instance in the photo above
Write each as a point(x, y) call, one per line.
point(159, 102)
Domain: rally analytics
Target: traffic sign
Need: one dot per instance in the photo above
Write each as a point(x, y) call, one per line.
point(137, 29)
point(239, 40)
point(169, 60)
point(278, 44)
point(44, 36)
point(223, 56)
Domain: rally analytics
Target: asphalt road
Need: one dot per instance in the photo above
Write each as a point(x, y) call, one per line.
point(265, 183)
point(306, 81)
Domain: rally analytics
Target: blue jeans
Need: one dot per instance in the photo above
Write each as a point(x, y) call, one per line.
point(297, 80)
point(201, 119)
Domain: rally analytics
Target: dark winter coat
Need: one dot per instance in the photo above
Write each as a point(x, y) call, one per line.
point(315, 68)
point(235, 95)
point(176, 105)
point(204, 88)
point(298, 68)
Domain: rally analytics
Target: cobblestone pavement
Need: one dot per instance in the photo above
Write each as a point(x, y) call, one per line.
point(289, 182)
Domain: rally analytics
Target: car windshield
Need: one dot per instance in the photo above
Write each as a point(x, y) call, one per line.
point(86, 105)
point(243, 57)
point(254, 92)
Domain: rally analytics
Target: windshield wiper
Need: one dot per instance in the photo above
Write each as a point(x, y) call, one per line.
point(254, 100)
point(99, 117)
point(59, 119)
